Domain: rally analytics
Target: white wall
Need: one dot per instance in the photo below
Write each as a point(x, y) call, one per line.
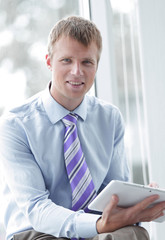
point(152, 39)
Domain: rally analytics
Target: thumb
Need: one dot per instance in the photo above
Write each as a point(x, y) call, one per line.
point(103, 222)
point(112, 205)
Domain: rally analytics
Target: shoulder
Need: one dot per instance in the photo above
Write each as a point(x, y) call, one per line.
point(96, 105)
point(105, 115)
point(23, 111)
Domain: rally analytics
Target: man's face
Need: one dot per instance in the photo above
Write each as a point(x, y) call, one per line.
point(73, 67)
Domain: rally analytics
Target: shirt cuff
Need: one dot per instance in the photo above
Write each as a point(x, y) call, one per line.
point(86, 225)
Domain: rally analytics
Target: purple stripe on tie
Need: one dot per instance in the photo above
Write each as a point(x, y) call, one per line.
point(78, 176)
point(70, 140)
point(74, 160)
point(71, 118)
point(83, 197)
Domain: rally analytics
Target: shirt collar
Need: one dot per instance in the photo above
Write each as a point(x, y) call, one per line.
point(56, 112)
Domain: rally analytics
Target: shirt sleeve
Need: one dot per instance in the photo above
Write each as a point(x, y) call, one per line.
point(119, 167)
point(85, 225)
point(27, 187)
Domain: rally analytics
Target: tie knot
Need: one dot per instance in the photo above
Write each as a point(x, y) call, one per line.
point(70, 119)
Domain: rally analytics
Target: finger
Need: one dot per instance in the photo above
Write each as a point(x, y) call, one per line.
point(156, 209)
point(154, 185)
point(157, 215)
point(153, 217)
point(110, 207)
point(151, 213)
point(146, 202)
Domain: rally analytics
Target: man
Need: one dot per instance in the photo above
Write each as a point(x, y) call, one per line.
point(37, 154)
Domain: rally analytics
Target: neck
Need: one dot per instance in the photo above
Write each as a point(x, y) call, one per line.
point(70, 105)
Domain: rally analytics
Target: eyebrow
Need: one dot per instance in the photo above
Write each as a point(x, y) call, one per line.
point(82, 59)
point(89, 59)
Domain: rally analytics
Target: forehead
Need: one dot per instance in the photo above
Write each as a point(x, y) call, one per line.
point(70, 45)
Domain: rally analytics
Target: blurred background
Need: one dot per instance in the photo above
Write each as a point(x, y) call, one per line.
point(131, 71)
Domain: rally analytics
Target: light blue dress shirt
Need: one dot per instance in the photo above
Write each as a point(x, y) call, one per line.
point(36, 190)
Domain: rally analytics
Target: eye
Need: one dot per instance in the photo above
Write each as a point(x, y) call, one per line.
point(87, 62)
point(66, 60)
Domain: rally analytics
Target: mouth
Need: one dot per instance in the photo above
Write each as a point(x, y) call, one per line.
point(75, 83)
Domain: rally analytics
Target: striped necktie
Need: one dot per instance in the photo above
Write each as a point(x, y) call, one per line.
point(83, 190)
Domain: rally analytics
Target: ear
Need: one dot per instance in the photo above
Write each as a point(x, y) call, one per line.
point(48, 62)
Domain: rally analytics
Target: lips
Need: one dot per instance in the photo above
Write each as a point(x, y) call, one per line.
point(75, 83)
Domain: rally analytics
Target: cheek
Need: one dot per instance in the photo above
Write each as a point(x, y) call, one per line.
point(60, 70)
point(92, 75)
point(57, 72)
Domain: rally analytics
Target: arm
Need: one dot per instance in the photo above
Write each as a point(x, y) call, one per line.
point(113, 217)
point(118, 168)
point(28, 190)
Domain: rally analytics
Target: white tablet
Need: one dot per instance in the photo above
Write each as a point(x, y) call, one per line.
point(129, 194)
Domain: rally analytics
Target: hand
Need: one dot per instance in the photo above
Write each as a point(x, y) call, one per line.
point(114, 218)
point(154, 185)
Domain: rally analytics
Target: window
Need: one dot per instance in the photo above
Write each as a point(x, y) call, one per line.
point(119, 78)
point(24, 28)
point(130, 85)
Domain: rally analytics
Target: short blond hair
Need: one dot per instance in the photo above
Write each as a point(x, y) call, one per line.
point(78, 28)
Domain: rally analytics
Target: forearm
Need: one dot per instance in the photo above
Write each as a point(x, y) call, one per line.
point(62, 222)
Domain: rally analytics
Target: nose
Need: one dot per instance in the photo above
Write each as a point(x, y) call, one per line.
point(76, 69)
